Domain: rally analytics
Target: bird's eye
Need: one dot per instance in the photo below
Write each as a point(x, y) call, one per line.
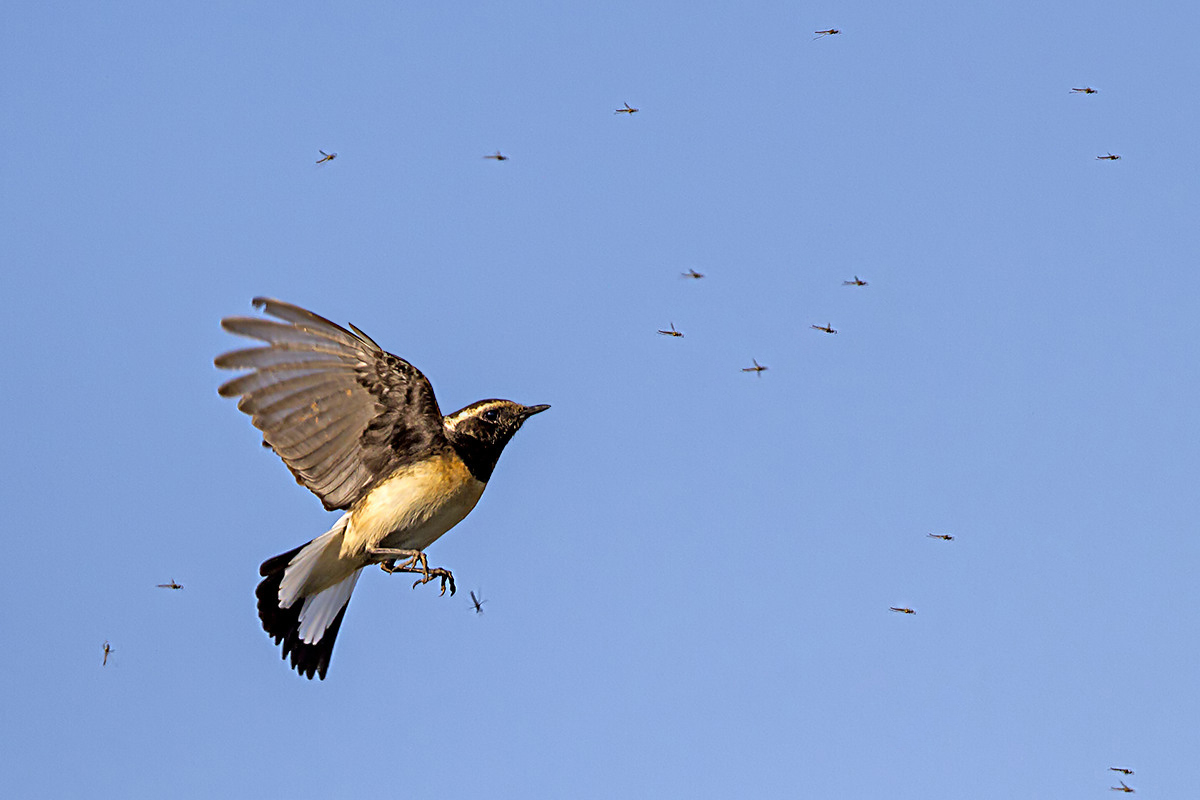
point(492, 414)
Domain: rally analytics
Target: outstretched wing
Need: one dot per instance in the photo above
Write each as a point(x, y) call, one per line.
point(339, 411)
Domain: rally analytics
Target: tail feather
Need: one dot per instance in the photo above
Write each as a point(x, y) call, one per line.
point(307, 625)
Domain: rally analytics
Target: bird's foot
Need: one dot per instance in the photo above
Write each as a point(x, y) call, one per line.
point(446, 576)
point(416, 564)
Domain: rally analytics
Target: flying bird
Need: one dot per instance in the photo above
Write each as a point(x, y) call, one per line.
point(1109, 157)
point(1084, 90)
point(498, 156)
point(855, 282)
point(628, 109)
point(902, 610)
point(477, 603)
point(827, 328)
point(821, 34)
point(944, 536)
point(107, 651)
point(362, 430)
point(672, 332)
point(1122, 788)
point(691, 273)
point(759, 368)
point(328, 156)
point(171, 585)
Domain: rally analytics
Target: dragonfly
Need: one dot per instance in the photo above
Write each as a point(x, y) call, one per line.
point(672, 332)
point(691, 273)
point(902, 610)
point(1109, 157)
point(477, 602)
point(943, 536)
point(821, 34)
point(171, 585)
point(328, 156)
point(498, 156)
point(855, 282)
point(827, 328)
point(1121, 770)
point(108, 650)
point(1122, 788)
point(628, 109)
point(1084, 90)
point(759, 368)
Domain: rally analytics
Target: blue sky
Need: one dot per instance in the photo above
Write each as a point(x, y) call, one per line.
point(688, 567)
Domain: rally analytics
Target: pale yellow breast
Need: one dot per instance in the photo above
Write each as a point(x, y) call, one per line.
point(413, 508)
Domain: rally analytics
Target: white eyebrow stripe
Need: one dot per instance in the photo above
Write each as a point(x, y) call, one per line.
point(451, 420)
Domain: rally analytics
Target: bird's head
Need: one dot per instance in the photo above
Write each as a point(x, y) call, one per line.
point(481, 430)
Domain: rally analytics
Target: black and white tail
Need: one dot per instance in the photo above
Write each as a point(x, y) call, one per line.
point(306, 623)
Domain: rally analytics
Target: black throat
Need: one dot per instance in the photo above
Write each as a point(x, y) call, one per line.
point(479, 456)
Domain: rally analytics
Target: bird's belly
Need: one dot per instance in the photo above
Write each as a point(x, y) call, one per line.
point(413, 507)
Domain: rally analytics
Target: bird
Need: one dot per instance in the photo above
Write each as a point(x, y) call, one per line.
point(477, 603)
point(628, 109)
point(672, 332)
point(328, 156)
point(498, 156)
point(360, 428)
point(1084, 90)
point(821, 34)
point(855, 282)
point(944, 536)
point(691, 273)
point(171, 585)
point(827, 328)
point(108, 650)
point(902, 610)
point(1122, 770)
point(1109, 157)
point(1122, 788)
point(759, 368)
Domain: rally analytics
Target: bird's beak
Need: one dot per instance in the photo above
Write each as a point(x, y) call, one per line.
point(531, 410)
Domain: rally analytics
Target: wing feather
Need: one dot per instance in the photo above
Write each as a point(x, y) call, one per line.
point(330, 401)
point(264, 397)
point(267, 376)
point(340, 412)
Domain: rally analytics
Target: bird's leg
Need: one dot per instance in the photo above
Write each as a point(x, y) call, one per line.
point(389, 565)
point(415, 558)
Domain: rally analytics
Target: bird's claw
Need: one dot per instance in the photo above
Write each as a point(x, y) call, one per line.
point(437, 572)
point(417, 564)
